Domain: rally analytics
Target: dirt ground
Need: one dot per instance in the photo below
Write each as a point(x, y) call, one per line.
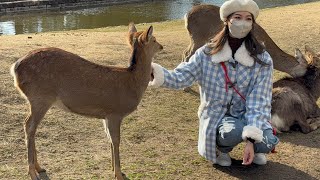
point(159, 140)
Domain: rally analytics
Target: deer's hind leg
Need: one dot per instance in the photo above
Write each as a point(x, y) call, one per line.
point(36, 114)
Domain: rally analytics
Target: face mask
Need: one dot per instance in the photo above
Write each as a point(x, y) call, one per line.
point(240, 28)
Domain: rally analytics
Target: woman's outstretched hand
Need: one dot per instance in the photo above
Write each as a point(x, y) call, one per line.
point(248, 153)
point(156, 75)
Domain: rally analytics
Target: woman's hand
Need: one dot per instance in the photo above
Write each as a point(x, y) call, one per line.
point(248, 153)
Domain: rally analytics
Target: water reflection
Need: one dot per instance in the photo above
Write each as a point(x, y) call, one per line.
point(7, 27)
point(111, 16)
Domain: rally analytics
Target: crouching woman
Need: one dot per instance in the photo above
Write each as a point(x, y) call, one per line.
point(234, 73)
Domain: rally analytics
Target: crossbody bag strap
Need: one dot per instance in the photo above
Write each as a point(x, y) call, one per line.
point(228, 81)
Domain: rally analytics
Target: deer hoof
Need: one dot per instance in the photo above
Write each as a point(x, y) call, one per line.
point(34, 175)
point(41, 170)
point(121, 177)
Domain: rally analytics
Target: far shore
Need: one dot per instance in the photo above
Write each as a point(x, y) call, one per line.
point(54, 5)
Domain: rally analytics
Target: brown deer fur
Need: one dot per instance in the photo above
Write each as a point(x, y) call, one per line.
point(294, 99)
point(53, 76)
point(203, 22)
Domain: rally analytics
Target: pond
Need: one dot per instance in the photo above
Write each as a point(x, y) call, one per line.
point(152, 11)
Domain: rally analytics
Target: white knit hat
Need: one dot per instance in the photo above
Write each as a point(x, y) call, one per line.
point(232, 6)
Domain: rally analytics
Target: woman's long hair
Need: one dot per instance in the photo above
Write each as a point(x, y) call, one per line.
point(252, 44)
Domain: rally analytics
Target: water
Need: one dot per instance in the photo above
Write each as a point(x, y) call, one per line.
point(155, 11)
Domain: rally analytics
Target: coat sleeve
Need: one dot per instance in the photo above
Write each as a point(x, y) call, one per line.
point(184, 75)
point(258, 102)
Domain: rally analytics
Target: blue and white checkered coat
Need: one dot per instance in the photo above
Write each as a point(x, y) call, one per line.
point(253, 80)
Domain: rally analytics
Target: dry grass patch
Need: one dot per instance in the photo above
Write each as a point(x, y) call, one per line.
point(159, 140)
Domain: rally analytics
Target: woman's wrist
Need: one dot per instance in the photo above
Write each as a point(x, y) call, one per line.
point(250, 140)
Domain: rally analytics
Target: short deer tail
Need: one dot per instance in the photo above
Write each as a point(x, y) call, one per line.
point(14, 67)
point(13, 71)
point(186, 20)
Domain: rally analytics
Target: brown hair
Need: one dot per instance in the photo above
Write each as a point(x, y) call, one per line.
point(252, 44)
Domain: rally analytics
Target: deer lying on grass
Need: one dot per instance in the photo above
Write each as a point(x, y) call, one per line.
point(203, 22)
point(53, 76)
point(294, 99)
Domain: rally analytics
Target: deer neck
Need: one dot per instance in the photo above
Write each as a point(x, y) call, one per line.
point(285, 62)
point(282, 61)
point(312, 81)
point(316, 88)
point(141, 67)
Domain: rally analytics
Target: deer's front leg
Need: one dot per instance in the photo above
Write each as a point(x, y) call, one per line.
point(314, 123)
point(112, 124)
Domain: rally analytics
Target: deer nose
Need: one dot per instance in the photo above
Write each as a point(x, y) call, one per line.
point(161, 47)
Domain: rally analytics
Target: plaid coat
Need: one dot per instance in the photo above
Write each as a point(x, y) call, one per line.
point(253, 81)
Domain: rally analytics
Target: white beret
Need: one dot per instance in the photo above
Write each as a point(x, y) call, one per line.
point(232, 6)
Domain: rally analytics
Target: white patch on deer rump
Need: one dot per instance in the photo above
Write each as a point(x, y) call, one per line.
point(277, 122)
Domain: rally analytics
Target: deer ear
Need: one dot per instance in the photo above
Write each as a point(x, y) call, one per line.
point(131, 39)
point(149, 33)
point(132, 28)
point(297, 53)
point(299, 56)
point(134, 43)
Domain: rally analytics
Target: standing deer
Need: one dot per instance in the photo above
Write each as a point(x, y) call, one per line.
point(203, 22)
point(294, 99)
point(51, 76)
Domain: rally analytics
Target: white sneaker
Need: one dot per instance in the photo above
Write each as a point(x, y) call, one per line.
point(260, 159)
point(224, 159)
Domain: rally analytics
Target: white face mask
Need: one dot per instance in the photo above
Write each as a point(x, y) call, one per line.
point(240, 28)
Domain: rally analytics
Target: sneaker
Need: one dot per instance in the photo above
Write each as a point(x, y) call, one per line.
point(224, 159)
point(260, 159)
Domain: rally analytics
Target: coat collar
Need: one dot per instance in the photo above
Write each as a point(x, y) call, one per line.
point(242, 55)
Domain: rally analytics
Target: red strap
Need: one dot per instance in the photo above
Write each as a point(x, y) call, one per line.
point(228, 81)
point(225, 75)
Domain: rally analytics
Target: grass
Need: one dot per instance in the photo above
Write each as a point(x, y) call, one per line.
point(159, 140)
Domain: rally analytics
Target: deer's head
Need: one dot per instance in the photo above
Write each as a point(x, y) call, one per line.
point(143, 40)
point(309, 59)
point(312, 61)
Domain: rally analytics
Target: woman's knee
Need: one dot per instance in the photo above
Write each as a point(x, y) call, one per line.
point(229, 132)
point(268, 143)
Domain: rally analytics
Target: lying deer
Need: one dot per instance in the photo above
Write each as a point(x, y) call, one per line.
point(53, 76)
point(294, 99)
point(203, 22)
